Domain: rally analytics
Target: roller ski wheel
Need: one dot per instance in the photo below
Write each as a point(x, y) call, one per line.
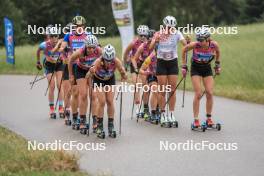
point(112, 134)
point(53, 115)
point(165, 124)
point(195, 126)
point(84, 128)
point(67, 122)
point(111, 131)
point(174, 124)
point(211, 125)
point(62, 116)
point(76, 124)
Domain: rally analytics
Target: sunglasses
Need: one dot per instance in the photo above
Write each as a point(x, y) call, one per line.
point(201, 39)
point(143, 36)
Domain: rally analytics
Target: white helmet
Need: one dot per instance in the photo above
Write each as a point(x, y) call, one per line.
point(109, 52)
point(203, 33)
point(91, 41)
point(170, 21)
point(143, 30)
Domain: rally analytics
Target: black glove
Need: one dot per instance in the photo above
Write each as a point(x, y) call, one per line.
point(38, 65)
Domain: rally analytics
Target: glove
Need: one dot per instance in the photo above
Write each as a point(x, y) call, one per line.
point(184, 70)
point(38, 65)
point(217, 68)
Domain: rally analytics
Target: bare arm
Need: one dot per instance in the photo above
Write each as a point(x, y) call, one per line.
point(136, 57)
point(127, 50)
point(185, 50)
point(121, 69)
point(71, 60)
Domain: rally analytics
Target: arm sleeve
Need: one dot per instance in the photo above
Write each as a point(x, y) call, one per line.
point(42, 46)
point(66, 38)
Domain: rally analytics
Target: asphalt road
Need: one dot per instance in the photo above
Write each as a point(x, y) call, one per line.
point(137, 151)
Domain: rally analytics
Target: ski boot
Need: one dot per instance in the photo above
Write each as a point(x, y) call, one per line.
point(61, 112)
point(84, 127)
point(52, 112)
point(94, 124)
point(154, 119)
point(100, 129)
point(140, 115)
point(164, 121)
point(76, 124)
point(197, 127)
point(67, 121)
point(147, 116)
point(210, 124)
point(173, 121)
point(111, 130)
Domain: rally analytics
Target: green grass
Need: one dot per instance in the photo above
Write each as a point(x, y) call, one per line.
point(241, 56)
point(17, 160)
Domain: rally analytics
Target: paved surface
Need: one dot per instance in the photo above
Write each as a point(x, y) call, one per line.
point(137, 151)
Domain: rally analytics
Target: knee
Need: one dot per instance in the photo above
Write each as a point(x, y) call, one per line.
point(109, 103)
point(209, 94)
point(101, 103)
point(197, 95)
point(83, 95)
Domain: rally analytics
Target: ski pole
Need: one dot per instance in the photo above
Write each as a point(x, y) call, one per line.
point(120, 113)
point(51, 76)
point(90, 108)
point(173, 92)
point(37, 80)
point(184, 82)
point(60, 88)
point(133, 105)
point(33, 82)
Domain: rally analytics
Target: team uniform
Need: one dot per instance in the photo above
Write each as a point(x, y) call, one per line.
point(50, 61)
point(136, 44)
point(84, 63)
point(105, 76)
point(75, 42)
point(167, 63)
point(151, 63)
point(201, 60)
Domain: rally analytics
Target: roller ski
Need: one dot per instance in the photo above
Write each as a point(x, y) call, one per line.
point(100, 129)
point(67, 121)
point(140, 115)
point(164, 122)
point(61, 112)
point(76, 124)
point(111, 131)
point(52, 112)
point(211, 125)
point(94, 124)
point(173, 121)
point(196, 126)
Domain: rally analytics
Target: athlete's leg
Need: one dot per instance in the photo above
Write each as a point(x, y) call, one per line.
point(196, 82)
point(172, 81)
point(83, 90)
point(162, 82)
point(209, 84)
